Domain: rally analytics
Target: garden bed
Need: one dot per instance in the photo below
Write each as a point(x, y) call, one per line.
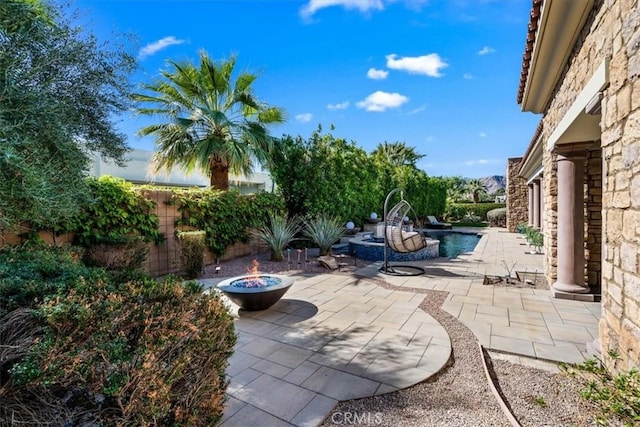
point(523, 279)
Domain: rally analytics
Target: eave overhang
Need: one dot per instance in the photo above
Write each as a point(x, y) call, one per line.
point(558, 28)
point(532, 163)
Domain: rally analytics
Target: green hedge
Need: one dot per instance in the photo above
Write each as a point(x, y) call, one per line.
point(456, 211)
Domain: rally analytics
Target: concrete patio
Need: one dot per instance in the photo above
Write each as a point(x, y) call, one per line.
point(338, 337)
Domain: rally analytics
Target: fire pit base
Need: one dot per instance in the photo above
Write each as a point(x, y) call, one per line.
point(257, 297)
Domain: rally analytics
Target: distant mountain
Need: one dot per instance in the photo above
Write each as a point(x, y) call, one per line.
point(494, 183)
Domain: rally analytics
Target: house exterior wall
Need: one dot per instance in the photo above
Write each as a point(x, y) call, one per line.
point(612, 173)
point(620, 324)
point(517, 195)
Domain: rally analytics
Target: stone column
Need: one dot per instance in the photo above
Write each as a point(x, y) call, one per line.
point(530, 194)
point(536, 203)
point(571, 260)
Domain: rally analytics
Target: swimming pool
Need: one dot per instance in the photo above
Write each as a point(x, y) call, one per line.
point(372, 249)
point(454, 243)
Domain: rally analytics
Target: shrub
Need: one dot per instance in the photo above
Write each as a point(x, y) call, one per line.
point(497, 217)
point(324, 231)
point(278, 233)
point(192, 249)
point(32, 273)
point(127, 255)
point(617, 395)
point(138, 353)
point(456, 211)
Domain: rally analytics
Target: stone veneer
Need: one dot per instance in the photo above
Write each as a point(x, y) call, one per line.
point(593, 215)
point(612, 32)
point(517, 195)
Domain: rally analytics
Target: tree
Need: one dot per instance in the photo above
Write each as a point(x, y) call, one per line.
point(397, 154)
point(476, 188)
point(212, 123)
point(59, 88)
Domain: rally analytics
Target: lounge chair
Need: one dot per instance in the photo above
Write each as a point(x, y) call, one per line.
point(434, 223)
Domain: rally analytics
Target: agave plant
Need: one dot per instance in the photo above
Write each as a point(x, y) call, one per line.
point(324, 231)
point(278, 233)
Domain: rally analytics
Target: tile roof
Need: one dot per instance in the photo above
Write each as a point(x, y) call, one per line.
point(534, 19)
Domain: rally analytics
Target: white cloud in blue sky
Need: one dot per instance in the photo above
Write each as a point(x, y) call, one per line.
point(338, 106)
point(486, 50)
point(417, 110)
point(381, 101)
point(467, 76)
point(304, 117)
point(429, 65)
point(377, 74)
point(158, 45)
point(482, 135)
point(361, 5)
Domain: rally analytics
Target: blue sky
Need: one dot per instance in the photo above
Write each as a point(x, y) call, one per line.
point(439, 75)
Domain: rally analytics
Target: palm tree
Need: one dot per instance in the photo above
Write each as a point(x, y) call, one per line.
point(397, 154)
point(212, 124)
point(476, 187)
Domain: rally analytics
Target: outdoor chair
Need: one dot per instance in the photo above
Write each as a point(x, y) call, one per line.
point(434, 223)
point(397, 238)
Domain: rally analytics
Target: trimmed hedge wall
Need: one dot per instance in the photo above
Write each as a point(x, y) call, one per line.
point(458, 210)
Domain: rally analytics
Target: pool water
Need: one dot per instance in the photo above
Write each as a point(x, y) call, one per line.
point(454, 243)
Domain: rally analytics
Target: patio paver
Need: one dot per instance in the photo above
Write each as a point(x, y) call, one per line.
point(337, 337)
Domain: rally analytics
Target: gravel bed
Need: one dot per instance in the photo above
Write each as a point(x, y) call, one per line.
point(459, 395)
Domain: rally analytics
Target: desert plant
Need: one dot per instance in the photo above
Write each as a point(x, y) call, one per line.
point(192, 249)
point(324, 231)
point(617, 395)
point(278, 233)
point(497, 217)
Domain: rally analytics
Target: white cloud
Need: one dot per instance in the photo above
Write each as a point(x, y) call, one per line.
point(486, 50)
point(417, 110)
point(362, 5)
point(467, 76)
point(377, 74)
point(381, 101)
point(338, 106)
point(158, 45)
point(304, 118)
point(482, 135)
point(429, 65)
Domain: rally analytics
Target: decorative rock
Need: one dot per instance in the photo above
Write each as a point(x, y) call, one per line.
point(327, 261)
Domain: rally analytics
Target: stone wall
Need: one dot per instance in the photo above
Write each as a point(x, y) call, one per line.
point(620, 324)
point(550, 216)
point(612, 32)
point(517, 195)
point(164, 258)
point(593, 216)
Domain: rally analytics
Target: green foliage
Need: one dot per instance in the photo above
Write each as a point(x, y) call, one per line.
point(534, 237)
point(324, 231)
point(617, 395)
point(113, 343)
point(326, 174)
point(278, 233)
point(225, 216)
point(456, 211)
point(497, 217)
point(329, 174)
point(192, 249)
point(60, 89)
point(117, 213)
point(32, 274)
point(212, 123)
